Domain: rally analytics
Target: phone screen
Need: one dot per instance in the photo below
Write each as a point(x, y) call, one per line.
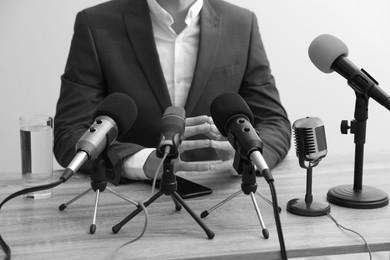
point(186, 188)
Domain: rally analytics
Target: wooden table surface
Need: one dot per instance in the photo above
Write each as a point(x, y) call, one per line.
point(36, 229)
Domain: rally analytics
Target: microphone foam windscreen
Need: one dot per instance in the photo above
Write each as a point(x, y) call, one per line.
point(175, 111)
point(226, 106)
point(324, 50)
point(173, 120)
point(120, 108)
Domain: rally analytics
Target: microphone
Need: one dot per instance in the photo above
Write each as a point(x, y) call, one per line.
point(329, 54)
point(310, 144)
point(172, 126)
point(113, 117)
point(234, 119)
point(310, 140)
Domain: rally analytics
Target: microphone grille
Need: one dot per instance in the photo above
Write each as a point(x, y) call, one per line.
point(310, 140)
point(304, 141)
point(119, 107)
point(324, 50)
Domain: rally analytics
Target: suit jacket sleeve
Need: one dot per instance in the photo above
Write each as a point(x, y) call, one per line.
point(82, 89)
point(259, 91)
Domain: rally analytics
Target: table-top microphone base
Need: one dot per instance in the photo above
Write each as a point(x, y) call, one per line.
point(309, 209)
point(366, 198)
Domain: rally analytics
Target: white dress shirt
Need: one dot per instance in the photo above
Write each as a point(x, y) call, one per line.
point(177, 53)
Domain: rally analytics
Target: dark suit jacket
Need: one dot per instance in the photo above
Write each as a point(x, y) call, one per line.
point(113, 50)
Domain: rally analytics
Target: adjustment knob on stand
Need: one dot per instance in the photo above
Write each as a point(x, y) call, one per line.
point(344, 127)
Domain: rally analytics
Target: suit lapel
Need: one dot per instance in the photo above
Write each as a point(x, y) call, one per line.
point(210, 27)
point(140, 32)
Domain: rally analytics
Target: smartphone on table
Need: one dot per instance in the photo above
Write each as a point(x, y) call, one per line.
point(186, 188)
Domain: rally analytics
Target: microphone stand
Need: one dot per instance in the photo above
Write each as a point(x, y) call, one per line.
point(248, 187)
point(98, 185)
point(168, 186)
point(358, 196)
point(308, 207)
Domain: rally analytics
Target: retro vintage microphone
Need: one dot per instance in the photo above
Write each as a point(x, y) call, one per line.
point(310, 144)
point(329, 54)
point(113, 118)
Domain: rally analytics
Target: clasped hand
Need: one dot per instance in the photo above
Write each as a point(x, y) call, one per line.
point(205, 125)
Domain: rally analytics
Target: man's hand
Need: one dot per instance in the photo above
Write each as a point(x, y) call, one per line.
point(205, 125)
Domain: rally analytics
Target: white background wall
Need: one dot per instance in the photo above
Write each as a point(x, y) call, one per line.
point(35, 38)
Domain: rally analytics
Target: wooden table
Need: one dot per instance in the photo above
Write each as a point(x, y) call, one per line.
point(38, 230)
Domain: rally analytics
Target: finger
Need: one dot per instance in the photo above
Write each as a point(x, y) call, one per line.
point(221, 166)
point(196, 130)
point(214, 133)
point(211, 131)
point(221, 145)
point(198, 120)
point(191, 166)
point(208, 166)
point(187, 145)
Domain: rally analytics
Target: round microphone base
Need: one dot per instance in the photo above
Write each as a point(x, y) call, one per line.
point(366, 198)
point(309, 209)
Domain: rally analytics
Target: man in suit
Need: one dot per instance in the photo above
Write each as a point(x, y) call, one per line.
point(163, 53)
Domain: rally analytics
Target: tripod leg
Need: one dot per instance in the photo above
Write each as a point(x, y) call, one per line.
point(210, 234)
point(64, 205)
point(92, 228)
point(177, 204)
point(118, 226)
point(267, 200)
point(265, 231)
point(207, 212)
point(122, 196)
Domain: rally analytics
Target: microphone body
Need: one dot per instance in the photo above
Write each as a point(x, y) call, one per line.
point(243, 137)
point(310, 140)
point(113, 117)
point(100, 134)
point(329, 54)
point(233, 117)
point(172, 126)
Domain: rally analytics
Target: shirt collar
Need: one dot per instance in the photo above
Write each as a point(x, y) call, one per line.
point(163, 16)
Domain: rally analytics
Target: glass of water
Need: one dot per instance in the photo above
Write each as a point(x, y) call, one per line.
point(36, 145)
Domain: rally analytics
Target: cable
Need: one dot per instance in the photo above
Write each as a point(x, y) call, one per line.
point(283, 251)
point(353, 231)
point(29, 190)
point(6, 248)
point(141, 204)
point(138, 237)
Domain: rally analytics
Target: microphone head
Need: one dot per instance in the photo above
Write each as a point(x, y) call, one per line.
point(310, 140)
point(173, 122)
point(121, 108)
point(324, 50)
point(175, 111)
point(225, 107)
point(172, 127)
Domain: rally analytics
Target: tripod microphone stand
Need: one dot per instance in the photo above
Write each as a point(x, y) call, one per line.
point(248, 187)
point(168, 186)
point(98, 185)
